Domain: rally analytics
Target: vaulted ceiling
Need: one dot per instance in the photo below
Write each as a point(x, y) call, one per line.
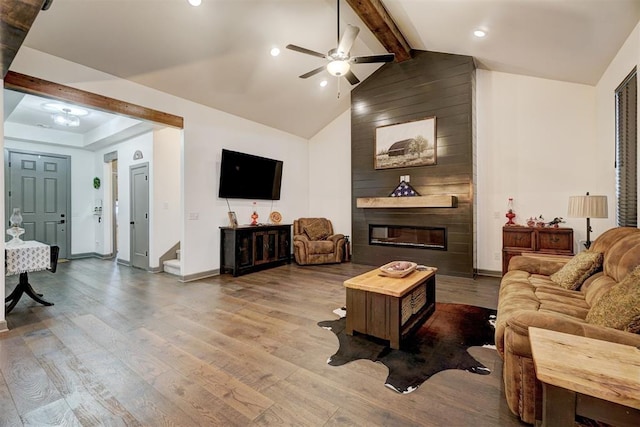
point(217, 54)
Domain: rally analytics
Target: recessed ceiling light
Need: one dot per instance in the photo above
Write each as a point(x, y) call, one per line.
point(195, 2)
point(323, 83)
point(275, 51)
point(480, 33)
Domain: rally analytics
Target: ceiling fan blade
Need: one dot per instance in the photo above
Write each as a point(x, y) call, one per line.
point(351, 77)
point(313, 72)
point(306, 51)
point(347, 39)
point(389, 57)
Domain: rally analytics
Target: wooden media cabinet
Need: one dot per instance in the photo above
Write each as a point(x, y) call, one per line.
point(249, 248)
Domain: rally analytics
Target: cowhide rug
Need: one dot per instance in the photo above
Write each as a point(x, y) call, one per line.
point(441, 343)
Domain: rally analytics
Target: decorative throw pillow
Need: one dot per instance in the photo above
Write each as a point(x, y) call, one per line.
point(577, 270)
point(316, 230)
point(619, 307)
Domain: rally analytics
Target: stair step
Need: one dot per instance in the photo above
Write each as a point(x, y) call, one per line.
point(172, 266)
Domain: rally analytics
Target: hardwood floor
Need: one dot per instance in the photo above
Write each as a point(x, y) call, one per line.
point(125, 347)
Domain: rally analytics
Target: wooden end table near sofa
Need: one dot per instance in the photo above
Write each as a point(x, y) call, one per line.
point(593, 378)
point(390, 308)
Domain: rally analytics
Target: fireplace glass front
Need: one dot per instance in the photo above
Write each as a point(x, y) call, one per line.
point(408, 236)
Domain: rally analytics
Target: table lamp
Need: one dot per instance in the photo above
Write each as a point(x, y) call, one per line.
point(588, 207)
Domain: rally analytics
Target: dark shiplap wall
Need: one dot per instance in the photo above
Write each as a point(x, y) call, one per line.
point(430, 84)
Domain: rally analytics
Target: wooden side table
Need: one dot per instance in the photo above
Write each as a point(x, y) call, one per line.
point(592, 378)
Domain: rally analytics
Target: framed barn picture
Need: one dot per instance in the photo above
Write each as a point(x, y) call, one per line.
point(406, 144)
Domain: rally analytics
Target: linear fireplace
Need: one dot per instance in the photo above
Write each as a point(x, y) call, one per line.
point(408, 236)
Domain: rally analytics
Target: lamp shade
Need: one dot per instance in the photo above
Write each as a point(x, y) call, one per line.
point(588, 207)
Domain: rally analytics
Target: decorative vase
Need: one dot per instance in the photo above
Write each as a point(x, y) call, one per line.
point(254, 218)
point(510, 214)
point(15, 231)
point(15, 220)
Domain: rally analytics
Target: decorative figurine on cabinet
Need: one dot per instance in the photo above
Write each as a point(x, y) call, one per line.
point(555, 223)
point(254, 215)
point(510, 214)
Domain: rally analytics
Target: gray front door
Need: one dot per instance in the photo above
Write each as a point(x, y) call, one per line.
point(39, 185)
point(139, 222)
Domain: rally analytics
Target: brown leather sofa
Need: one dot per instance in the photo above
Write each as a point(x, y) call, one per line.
point(529, 298)
point(315, 243)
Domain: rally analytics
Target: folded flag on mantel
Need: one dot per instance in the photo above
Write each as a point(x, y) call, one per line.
point(404, 190)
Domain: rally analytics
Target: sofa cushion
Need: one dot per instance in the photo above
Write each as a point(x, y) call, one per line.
point(619, 307)
point(576, 271)
point(322, 247)
point(570, 300)
point(535, 264)
point(611, 237)
point(622, 257)
point(316, 230)
point(596, 286)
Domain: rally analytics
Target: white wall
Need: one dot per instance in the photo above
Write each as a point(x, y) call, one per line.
point(82, 192)
point(330, 174)
point(165, 223)
point(206, 132)
point(536, 143)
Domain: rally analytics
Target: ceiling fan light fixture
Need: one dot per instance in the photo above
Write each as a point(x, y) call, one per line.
point(338, 68)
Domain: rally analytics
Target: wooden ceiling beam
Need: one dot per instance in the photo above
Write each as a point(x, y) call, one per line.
point(16, 18)
point(38, 87)
point(378, 20)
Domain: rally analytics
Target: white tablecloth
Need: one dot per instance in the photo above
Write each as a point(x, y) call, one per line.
point(30, 256)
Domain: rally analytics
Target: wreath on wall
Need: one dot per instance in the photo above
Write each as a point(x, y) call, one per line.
point(96, 182)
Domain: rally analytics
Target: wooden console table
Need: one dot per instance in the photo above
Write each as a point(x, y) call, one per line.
point(592, 378)
point(517, 239)
point(389, 308)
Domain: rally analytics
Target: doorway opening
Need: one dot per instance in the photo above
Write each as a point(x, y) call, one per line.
point(111, 239)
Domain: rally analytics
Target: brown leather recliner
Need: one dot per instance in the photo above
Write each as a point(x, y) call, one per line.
point(315, 243)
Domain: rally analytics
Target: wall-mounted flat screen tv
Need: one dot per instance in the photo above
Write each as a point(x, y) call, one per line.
point(245, 176)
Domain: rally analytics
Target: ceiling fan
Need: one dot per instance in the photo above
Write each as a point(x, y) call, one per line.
point(339, 58)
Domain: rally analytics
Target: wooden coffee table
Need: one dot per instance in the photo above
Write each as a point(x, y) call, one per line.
point(387, 307)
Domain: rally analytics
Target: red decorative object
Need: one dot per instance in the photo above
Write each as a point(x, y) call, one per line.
point(510, 214)
point(254, 215)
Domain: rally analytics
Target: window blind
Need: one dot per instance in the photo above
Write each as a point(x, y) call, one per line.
point(626, 151)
